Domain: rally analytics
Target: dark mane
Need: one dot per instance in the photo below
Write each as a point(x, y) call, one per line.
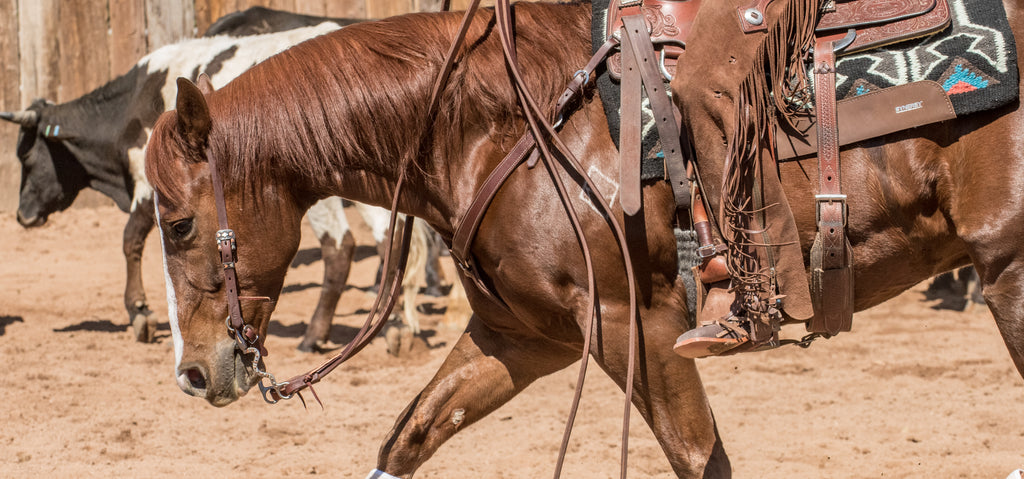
point(358, 96)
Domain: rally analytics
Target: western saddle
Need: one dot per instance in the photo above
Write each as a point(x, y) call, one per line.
point(660, 28)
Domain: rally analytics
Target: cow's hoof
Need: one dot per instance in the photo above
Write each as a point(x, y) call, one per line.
point(143, 327)
point(398, 337)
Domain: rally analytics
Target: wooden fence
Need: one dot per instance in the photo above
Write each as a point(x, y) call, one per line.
point(62, 49)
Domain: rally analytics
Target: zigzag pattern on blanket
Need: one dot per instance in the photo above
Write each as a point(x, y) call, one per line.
point(975, 60)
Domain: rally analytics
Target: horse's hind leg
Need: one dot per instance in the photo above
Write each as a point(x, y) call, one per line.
point(483, 371)
point(1003, 291)
point(140, 223)
point(327, 218)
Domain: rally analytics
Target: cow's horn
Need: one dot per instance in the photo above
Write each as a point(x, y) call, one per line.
point(24, 118)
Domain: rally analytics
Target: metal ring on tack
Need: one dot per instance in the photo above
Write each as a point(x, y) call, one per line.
point(661, 66)
point(586, 76)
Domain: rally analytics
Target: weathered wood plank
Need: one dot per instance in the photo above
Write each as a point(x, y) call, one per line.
point(127, 35)
point(464, 4)
point(379, 9)
point(348, 8)
point(10, 68)
point(312, 7)
point(84, 55)
point(40, 54)
point(428, 5)
point(168, 21)
point(10, 100)
point(203, 14)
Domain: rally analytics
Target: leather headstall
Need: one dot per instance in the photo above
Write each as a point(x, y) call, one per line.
point(247, 338)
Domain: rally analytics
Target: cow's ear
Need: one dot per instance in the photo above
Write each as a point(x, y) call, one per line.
point(204, 83)
point(193, 115)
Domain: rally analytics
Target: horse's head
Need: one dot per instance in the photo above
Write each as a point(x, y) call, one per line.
point(50, 176)
point(178, 164)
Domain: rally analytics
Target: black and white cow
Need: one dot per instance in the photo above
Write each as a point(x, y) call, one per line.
point(262, 20)
point(97, 141)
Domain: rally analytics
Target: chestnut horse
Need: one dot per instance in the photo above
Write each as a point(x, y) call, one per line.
point(346, 114)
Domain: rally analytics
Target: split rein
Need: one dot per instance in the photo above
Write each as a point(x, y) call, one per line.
point(535, 143)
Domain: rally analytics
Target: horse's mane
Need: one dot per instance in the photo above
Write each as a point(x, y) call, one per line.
point(358, 96)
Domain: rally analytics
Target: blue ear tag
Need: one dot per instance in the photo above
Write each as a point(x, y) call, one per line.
point(56, 130)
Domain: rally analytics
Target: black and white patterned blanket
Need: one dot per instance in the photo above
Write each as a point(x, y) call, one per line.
point(975, 60)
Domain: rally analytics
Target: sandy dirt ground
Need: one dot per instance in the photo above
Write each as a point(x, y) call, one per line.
point(912, 392)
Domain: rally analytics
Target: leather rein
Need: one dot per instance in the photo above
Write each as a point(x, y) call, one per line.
point(541, 134)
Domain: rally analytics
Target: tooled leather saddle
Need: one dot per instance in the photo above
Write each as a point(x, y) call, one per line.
point(844, 27)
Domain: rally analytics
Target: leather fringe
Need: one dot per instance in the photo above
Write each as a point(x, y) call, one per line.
point(775, 89)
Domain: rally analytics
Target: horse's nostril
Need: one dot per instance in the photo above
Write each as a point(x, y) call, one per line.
point(196, 378)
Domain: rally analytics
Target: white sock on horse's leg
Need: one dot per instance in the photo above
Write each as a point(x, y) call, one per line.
point(378, 474)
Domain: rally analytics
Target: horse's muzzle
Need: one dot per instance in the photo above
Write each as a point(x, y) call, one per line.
point(221, 381)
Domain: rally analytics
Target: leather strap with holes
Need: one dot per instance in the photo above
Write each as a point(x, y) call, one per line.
point(831, 203)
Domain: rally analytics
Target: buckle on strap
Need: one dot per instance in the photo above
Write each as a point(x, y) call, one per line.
point(830, 198)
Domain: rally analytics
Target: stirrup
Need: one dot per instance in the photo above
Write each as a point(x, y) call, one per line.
point(712, 339)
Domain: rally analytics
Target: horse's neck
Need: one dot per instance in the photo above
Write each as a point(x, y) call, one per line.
point(442, 170)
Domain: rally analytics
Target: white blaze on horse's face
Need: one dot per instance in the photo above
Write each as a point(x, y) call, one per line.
point(172, 303)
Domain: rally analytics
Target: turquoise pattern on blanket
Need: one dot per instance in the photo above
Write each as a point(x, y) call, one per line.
point(962, 75)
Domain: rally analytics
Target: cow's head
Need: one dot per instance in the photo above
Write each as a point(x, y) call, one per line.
point(50, 176)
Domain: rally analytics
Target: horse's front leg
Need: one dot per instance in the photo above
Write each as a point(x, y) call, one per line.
point(140, 223)
point(667, 390)
point(483, 371)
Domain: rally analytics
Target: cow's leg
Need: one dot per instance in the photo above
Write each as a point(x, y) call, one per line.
point(140, 223)
point(337, 256)
point(377, 219)
point(482, 372)
point(337, 244)
point(432, 273)
point(972, 283)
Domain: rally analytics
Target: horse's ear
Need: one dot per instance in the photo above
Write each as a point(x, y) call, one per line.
point(204, 83)
point(193, 114)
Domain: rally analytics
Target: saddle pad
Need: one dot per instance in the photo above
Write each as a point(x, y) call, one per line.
point(974, 60)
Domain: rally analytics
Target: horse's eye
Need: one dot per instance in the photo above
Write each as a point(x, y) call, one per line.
point(181, 228)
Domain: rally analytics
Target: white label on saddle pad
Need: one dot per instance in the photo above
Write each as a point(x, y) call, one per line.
point(606, 187)
point(910, 107)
